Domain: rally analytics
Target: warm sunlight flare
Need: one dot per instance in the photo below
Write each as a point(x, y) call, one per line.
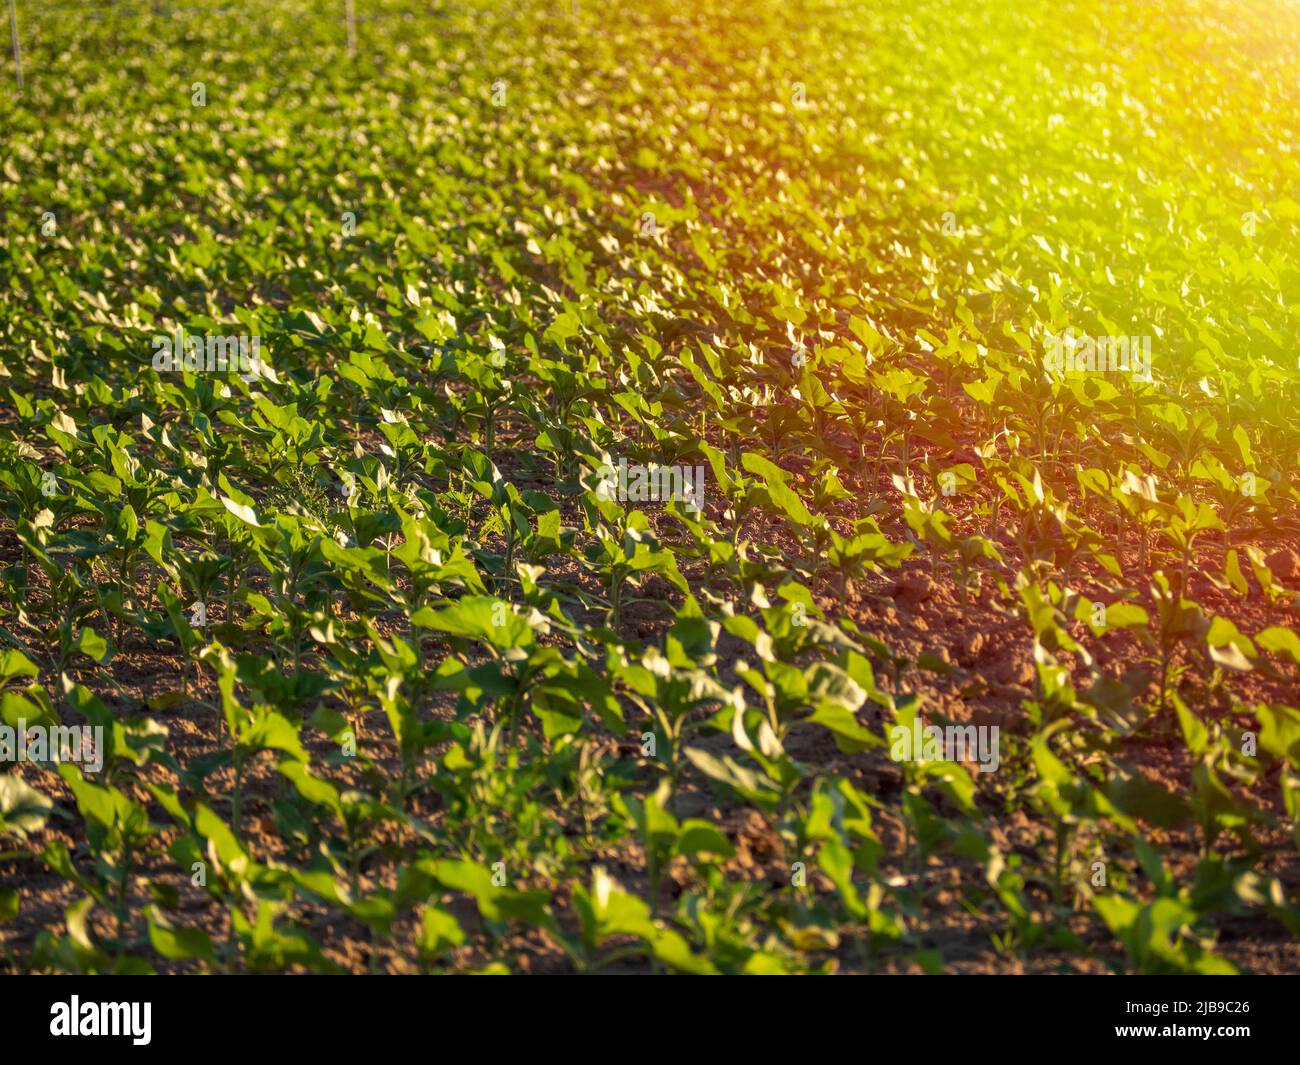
point(737, 487)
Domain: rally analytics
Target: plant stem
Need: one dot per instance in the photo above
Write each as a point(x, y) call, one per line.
point(18, 51)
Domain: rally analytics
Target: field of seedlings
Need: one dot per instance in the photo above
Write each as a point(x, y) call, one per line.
point(735, 486)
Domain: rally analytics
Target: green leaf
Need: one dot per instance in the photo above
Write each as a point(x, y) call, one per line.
point(23, 809)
